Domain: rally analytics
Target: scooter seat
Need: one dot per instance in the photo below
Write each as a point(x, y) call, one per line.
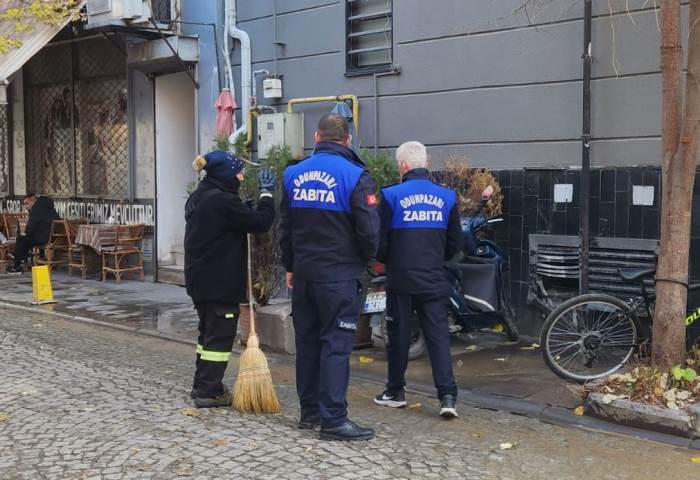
point(635, 274)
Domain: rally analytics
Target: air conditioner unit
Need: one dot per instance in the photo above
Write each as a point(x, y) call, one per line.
point(103, 13)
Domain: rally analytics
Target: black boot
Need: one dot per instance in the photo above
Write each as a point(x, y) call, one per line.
point(221, 400)
point(309, 421)
point(348, 431)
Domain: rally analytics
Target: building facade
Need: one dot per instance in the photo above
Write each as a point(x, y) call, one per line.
point(108, 120)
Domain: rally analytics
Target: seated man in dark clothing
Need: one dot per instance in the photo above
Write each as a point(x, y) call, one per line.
point(36, 234)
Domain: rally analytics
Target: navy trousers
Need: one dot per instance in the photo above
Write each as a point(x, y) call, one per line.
point(432, 315)
point(217, 329)
point(325, 319)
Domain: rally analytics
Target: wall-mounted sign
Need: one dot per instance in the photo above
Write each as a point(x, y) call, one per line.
point(95, 211)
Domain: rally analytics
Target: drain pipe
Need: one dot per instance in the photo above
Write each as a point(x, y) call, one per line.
point(585, 200)
point(393, 71)
point(246, 66)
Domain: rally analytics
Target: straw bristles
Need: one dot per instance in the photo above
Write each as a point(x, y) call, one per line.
point(253, 391)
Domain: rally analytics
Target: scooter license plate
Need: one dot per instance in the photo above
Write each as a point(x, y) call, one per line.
point(375, 302)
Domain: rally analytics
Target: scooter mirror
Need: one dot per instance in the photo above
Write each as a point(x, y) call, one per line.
point(487, 193)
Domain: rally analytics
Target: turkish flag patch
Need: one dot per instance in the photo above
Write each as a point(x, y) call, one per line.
point(372, 199)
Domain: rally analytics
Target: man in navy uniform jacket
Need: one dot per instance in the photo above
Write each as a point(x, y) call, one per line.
point(420, 230)
point(329, 231)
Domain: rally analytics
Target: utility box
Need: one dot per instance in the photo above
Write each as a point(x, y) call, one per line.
point(281, 129)
point(272, 87)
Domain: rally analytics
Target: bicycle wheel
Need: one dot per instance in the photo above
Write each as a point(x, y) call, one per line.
point(589, 337)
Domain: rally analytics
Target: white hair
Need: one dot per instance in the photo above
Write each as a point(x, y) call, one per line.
point(413, 154)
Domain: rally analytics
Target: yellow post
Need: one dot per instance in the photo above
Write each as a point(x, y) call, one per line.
point(41, 285)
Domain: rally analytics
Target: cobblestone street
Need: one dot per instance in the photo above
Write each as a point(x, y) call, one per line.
point(80, 401)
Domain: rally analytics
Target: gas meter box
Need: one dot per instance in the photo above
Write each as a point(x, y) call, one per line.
point(272, 87)
point(281, 129)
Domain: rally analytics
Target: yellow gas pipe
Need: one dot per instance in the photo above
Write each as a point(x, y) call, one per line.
point(337, 98)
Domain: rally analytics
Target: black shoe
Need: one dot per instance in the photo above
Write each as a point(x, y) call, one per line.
point(309, 422)
point(348, 431)
point(447, 407)
point(391, 398)
point(12, 270)
point(223, 400)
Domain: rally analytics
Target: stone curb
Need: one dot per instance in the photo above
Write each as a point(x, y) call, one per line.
point(544, 413)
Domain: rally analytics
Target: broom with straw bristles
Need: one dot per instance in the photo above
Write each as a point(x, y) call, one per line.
point(253, 391)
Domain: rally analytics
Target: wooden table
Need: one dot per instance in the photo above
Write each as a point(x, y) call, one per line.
point(97, 236)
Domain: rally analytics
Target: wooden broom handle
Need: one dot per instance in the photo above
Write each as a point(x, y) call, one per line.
point(251, 299)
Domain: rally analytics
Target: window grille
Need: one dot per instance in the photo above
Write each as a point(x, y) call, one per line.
point(76, 121)
point(162, 11)
point(4, 150)
point(369, 45)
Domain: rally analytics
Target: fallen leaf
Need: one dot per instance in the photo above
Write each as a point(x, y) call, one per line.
point(695, 460)
point(672, 405)
point(222, 442)
point(684, 395)
point(498, 328)
point(501, 359)
point(3, 417)
point(507, 446)
point(190, 412)
point(476, 435)
point(135, 450)
point(472, 348)
point(608, 398)
point(364, 359)
point(308, 449)
point(414, 405)
point(580, 410)
point(670, 395)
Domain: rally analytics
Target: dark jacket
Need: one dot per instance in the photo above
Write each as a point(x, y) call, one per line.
point(39, 223)
point(421, 229)
point(329, 218)
point(215, 241)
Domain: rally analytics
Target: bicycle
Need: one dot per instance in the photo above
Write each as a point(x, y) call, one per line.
point(591, 336)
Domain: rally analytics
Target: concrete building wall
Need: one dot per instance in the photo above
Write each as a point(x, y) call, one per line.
point(492, 81)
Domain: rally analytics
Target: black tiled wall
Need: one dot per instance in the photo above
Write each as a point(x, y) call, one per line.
point(528, 207)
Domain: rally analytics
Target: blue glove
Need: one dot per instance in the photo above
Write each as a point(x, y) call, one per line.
point(267, 179)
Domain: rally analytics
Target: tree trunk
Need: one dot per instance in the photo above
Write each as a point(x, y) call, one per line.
point(680, 149)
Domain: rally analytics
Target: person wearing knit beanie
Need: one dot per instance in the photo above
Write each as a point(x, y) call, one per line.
point(215, 263)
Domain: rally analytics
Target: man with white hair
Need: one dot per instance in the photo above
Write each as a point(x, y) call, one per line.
point(420, 230)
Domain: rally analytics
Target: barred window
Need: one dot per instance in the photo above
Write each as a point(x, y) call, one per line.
point(76, 121)
point(162, 11)
point(4, 150)
point(369, 43)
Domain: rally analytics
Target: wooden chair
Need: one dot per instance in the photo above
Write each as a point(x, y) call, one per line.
point(128, 244)
point(78, 258)
point(10, 228)
point(55, 252)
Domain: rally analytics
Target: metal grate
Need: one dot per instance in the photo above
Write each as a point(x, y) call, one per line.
point(556, 257)
point(162, 11)
point(77, 136)
point(4, 150)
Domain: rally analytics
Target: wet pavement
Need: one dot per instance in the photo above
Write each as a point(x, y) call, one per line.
point(80, 401)
point(484, 362)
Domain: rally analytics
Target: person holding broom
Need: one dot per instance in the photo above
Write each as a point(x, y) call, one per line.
point(215, 264)
point(329, 231)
